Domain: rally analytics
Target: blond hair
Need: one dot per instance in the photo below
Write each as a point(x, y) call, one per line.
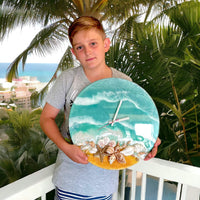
point(85, 23)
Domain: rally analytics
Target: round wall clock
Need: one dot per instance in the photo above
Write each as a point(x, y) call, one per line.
point(115, 122)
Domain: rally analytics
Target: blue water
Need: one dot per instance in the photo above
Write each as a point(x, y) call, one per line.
point(43, 71)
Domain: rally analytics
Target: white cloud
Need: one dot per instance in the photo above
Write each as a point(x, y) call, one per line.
point(18, 40)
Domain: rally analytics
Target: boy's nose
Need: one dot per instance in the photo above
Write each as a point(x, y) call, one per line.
point(87, 51)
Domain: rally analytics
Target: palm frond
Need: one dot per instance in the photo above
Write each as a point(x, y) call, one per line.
point(10, 19)
point(79, 6)
point(186, 16)
point(44, 42)
point(8, 171)
point(131, 31)
point(98, 7)
point(116, 11)
point(42, 11)
point(14, 14)
point(65, 63)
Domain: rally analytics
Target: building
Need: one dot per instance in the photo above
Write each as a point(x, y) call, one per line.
point(18, 93)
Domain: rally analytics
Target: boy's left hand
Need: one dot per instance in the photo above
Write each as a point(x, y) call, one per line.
point(153, 152)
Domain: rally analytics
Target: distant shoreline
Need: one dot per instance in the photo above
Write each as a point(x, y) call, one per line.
point(30, 63)
point(43, 71)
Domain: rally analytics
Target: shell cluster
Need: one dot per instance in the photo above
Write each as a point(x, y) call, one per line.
point(113, 150)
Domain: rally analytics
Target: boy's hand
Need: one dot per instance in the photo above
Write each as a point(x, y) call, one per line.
point(153, 152)
point(75, 154)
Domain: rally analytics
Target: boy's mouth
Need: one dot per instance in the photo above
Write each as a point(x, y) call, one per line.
point(90, 59)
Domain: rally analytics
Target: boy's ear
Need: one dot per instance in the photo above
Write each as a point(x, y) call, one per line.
point(107, 44)
point(72, 50)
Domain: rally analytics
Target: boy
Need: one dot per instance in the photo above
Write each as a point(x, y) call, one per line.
point(74, 177)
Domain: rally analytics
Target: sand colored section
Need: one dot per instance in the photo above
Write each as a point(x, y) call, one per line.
point(130, 160)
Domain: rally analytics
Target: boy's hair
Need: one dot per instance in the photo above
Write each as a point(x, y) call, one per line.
point(85, 23)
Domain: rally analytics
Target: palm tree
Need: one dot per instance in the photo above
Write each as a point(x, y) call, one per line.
point(164, 59)
point(55, 17)
point(8, 171)
point(27, 149)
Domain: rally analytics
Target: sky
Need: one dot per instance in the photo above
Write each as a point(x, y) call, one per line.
point(18, 40)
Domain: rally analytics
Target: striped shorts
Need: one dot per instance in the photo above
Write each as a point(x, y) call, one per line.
point(64, 195)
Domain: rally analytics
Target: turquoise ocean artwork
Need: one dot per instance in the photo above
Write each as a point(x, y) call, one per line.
point(114, 112)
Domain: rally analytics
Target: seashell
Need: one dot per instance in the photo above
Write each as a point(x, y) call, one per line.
point(139, 148)
point(120, 158)
point(111, 159)
point(110, 150)
point(88, 148)
point(86, 151)
point(80, 144)
point(85, 147)
point(128, 151)
point(92, 150)
point(141, 155)
point(112, 143)
point(101, 143)
point(92, 144)
point(124, 145)
point(106, 140)
point(117, 147)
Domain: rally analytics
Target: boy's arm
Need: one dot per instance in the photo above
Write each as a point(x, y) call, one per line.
point(48, 125)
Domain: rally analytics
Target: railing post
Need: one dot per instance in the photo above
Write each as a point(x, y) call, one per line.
point(122, 186)
point(43, 197)
point(160, 188)
point(133, 186)
point(143, 186)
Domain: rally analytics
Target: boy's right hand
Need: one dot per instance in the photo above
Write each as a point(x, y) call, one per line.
point(47, 122)
point(75, 154)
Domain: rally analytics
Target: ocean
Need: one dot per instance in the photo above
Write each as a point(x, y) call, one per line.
point(43, 71)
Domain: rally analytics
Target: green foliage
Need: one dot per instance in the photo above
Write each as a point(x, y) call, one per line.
point(164, 58)
point(26, 149)
point(8, 170)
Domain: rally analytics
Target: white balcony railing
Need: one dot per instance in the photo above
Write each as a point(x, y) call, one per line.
point(147, 180)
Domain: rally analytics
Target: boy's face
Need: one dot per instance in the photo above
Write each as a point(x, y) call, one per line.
point(89, 47)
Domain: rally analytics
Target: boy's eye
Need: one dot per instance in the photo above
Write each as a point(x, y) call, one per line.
point(93, 43)
point(79, 48)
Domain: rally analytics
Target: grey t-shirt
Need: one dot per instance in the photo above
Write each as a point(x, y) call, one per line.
point(85, 179)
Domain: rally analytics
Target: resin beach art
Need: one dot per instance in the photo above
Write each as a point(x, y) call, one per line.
point(115, 122)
